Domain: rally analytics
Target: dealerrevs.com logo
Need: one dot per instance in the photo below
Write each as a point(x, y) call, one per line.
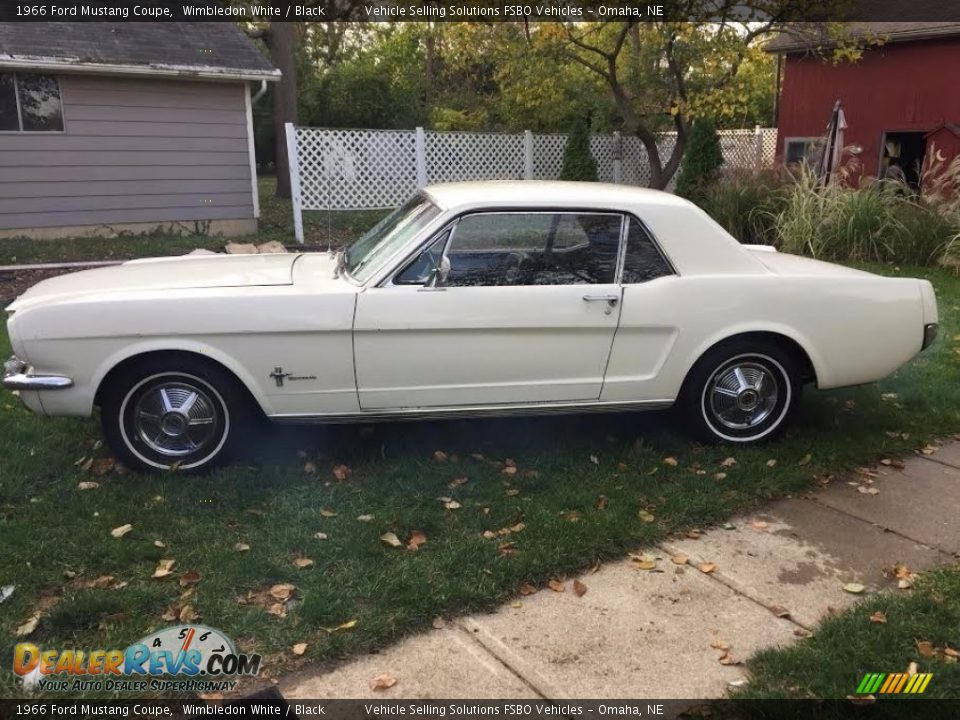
point(183, 658)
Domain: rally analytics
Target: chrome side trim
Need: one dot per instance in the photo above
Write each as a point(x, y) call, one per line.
point(23, 381)
point(481, 411)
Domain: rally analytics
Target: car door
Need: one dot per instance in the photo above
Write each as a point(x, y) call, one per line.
point(526, 313)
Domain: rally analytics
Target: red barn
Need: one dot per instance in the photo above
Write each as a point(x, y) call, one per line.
point(900, 99)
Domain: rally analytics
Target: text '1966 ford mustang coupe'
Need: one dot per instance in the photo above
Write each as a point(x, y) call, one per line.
point(471, 299)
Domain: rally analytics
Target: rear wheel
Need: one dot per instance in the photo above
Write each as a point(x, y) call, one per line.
point(179, 414)
point(742, 391)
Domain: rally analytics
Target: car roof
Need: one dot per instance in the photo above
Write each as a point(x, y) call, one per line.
point(555, 193)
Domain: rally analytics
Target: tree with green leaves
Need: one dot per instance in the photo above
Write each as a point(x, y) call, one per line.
point(701, 162)
point(578, 161)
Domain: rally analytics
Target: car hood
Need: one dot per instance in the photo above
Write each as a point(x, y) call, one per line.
point(173, 273)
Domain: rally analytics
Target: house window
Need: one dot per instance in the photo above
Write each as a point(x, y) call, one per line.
point(30, 103)
point(798, 150)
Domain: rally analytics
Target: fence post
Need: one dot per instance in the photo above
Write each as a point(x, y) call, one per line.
point(527, 155)
point(617, 157)
point(421, 151)
point(758, 143)
point(293, 162)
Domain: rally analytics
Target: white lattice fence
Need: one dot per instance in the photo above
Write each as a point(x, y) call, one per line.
point(455, 156)
point(374, 169)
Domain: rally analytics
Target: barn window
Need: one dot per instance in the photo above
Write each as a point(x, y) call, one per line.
point(30, 103)
point(798, 150)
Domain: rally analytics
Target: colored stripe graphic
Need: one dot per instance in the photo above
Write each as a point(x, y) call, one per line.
point(894, 683)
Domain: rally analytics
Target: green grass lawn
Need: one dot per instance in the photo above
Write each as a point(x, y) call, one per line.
point(276, 223)
point(918, 627)
point(579, 486)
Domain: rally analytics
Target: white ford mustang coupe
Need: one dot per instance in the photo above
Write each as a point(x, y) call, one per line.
point(471, 299)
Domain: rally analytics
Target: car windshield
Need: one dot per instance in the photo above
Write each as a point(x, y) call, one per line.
point(364, 256)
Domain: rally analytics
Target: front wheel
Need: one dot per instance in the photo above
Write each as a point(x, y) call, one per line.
point(742, 391)
point(178, 415)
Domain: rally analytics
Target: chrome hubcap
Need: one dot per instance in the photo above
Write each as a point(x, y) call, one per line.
point(176, 418)
point(743, 395)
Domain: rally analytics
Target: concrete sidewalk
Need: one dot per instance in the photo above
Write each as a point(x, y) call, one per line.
point(662, 633)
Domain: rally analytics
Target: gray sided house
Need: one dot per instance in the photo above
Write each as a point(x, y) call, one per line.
point(127, 127)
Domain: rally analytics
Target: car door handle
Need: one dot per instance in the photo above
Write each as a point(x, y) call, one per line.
point(611, 298)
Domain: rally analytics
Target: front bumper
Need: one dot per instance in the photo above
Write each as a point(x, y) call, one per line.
point(16, 377)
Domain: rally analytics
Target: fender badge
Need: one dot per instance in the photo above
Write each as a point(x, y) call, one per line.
point(279, 376)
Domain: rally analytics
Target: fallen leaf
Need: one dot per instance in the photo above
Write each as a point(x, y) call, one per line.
point(718, 644)
point(771, 463)
point(512, 492)
point(645, 516)
point(506, 549)
point(327, 513)
point(728, 462)
point(187, 614)
point(904, 584)
point(310, 468)
point(439, 456)
point(679, 559)
point(760, 524)
point(383, 681)
point(29, 626)
point(720, 476)
point(101, 466)
point(925, 648)
point(417, 538)
point(728, 659)
point(191, 577)
point(594, 459)
point(509, 470)
point(320, 535)
point(557, 586)
point(855, 588)
point(88, 485)
point(579, 589)
point(671, 461)
point(241, 547)
point(391, 539)
point(341, 472)
point(878, 617)
point(602, 502)
point(950, 652)
point(457, 482)
point(299, 648)
point(303, 563)
point(282, 591)
point(706, 567)
point(805, 460)
point(489, 535)
point(164, 568)
point(119, 532)
point(912, 668)
point(801, 632)
point(780, 611)
point(365, 518)
point(452, 505)
point(342, 626)
point(439, 623)
point(159, 543)
point(516, 604)
point(527, 589)
point(693, 534)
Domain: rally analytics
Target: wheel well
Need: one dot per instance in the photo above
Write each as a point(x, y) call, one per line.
point(171, 356)
point(807, 371)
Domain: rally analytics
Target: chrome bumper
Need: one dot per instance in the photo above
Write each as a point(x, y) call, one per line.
point(16, 377)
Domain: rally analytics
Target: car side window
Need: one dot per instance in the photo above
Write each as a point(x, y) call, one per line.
point(417, 271)
point(534, 248)
point(642, 260)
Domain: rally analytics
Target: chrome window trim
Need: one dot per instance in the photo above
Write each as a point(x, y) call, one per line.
point(452, 224)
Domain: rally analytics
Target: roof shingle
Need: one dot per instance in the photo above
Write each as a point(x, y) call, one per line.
point(219, 47)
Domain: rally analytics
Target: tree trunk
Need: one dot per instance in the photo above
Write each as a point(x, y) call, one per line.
point(285, 97)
